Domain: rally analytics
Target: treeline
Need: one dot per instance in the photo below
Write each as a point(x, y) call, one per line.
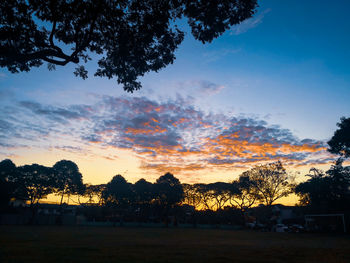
point(263, 184)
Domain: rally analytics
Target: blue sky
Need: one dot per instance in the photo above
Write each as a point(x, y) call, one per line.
point(287, 69)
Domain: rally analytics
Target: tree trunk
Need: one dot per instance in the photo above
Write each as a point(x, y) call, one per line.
point(61, 198)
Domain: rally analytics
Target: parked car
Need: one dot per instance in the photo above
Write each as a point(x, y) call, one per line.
point(280, 228)
point(295, 228)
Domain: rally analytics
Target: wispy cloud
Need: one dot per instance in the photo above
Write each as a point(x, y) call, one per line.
point(215, 55)
point(200, 87)
point(210, 88)
point(249, 23)
point(165, 135)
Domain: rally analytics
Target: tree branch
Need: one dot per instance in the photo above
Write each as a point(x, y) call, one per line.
point(52, 33)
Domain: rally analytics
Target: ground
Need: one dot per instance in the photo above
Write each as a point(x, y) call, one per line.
point(108, 244)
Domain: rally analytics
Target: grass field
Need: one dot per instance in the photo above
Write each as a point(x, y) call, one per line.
point(106, 244)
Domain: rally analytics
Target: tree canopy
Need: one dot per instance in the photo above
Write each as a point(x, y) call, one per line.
point(144, 192)
point(7, 175)
point(118, 192)
point(271, 181)
point(169, 190)
point(37, 181)
point(326, 192)
point(340, 142)
point(129, 37)
point(68, 179)
point(243, 193)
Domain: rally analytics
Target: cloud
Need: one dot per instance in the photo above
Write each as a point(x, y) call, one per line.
point(58, 114)
point(165, 136)
point(210, 88)
point(200, 87)
point(249, 23)
point(215, 55)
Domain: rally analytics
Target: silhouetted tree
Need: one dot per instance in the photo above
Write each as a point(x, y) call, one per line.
point(191, 196)
point(340, 142)
point(37, 180)
point(118, 195)
point(169, 190)
point(326, 192)
point(144, 192)
point(94, 193)
point(340, 185)
point(118, 192)
point(271, 181)
point(8, 174)
point(220, 194)
point(132, 37)
point(243, 193)
point(313, 191)
point(205, 195)
point(68, 179)
point(7, 170)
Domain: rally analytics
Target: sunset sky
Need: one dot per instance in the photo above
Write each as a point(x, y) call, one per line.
point(272, 88)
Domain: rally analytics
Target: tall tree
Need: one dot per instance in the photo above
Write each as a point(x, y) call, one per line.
point(313, 191)
point(7, 170)
point(94, 193)
point(243, 194)
point(339, 186)
point(205, 195)
point(169, 190)
point(8, 189)
point(220, 194)
point(144, 191)
point(118, 195)
point(271, 181)
point(68, 179)
point(130, 37)
point(326, 192)
point(191, 196)
point(118, 192)
point(37, 180)
point(340, 142)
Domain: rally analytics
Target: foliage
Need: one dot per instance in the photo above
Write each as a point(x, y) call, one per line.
point(340, 182)
point(340, 142)
point(169, 190)
point(144, 192)
point(7, 175)
point(37, 181)
point(130, 37)
point(7, 170)
point(94, 193)
point(68, 179)
point(271, 181)
point(118, 192)
point(191, 196)
point(243, 194)
point(204, 196)
point(220, 194)
point(326, 192)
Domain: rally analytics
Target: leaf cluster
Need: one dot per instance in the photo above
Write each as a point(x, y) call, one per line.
point(129, 37)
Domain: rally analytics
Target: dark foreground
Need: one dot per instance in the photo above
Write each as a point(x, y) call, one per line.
point(102, 244)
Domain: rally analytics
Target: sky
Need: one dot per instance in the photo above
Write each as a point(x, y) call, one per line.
point(272, 88)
